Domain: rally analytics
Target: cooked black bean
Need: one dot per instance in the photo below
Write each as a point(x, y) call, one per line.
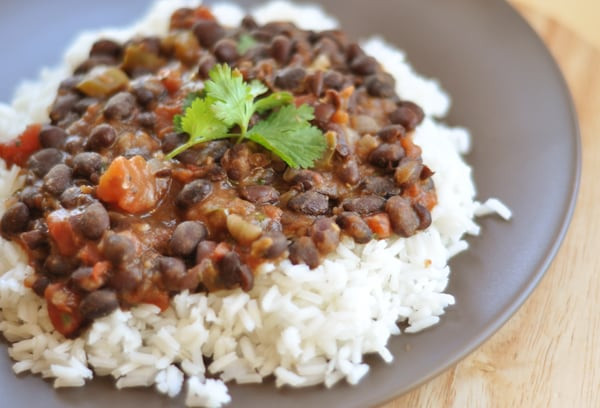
point(52, 136)
point(423, 214)
point(143, 95)
point(70, 84)
point(40, 284)
point(74, 144)
point(325, 233)
point(58, 179)
point(408, 114)
point(323, 113)
point(147, 119)
point(258, 53)
point(354, 51)
point(15, 219)
point(172, 140)
point(118, 249)
point(101, 136)
point(87, 163)
point(403, 218)
point(73, 197)
point(204, 250)
point(333, 80)
point(232, 272)
point(175, 275)
point(408, 171)
point(83, 279)
point(98, 304)
point(310, 203)
point(386, 155)
point(270, 245)
point(119, 106)
point(127, 276)
point(381, 85)
point(42, 161)
point(382, 186)
point(208, 32)
point(193, 193)
point(186, 237)
point(306, 179)
point(58, 265)
point(364, 65)
point(364, 205)
point(348, 172)
point(392, 133)
point(353, 225)
point(281, 47)
point(62, 106)
point(106, 47)
point(206, 63)
point(226, 51)
point(260, 194)
point(290, 78)
point(94, 221)
point(303, 250)
point(34, 238)
point(32, 197)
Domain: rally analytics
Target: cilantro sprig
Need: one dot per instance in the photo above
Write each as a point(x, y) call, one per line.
point(228, 101)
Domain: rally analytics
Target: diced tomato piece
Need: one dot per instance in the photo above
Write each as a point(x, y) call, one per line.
point(380, 225)
point(89, 254)
point(61, 230)
point(130, 184)
point(18, 150)
point(171, 79)
point(63, 308)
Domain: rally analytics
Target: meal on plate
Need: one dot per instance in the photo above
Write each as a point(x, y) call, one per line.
point(215, 197)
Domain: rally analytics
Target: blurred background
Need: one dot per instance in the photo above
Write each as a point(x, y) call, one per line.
point(581, 16)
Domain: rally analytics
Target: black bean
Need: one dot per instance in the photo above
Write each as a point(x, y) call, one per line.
point(260, 194)
point(325, 234)
point(310, 203)
point(32, 197)
point(175, 275)
point(323, 113)
point(208, 32)
point(98, 304)
point(348, 172)
point(58, 179)
point(353, 225)
point(58, 265)
point(143, 95)
point(119, 106)
point(364, 205)
point(303, 250)
point(127, 277)
point(186, 237)
point(62, 106)
point(381, 85)
point(147, 119)
point(333, 80)
point(52, 136)
point(34, 238)
point(386, 155)
point(382, 186)
point(70, 84)
point(74, 144)
point(306, 179)
point(73, 197)
point(236, 161)
point(408, 114)
point(87, 163)
point(403, 218)
point(290, 78)
point(226, 51)
point(258, 53)
point(249, 23)
point(42, 161)
point(408, 171)
point(193, 193)
point(354, 51)
point(364, 65)
point(392, 133)
point(101, 136)
point(94, 221)
point(270, 245)
point(40, 284)
point(106, 47)
point(83, 279)
point(118, 249)
point(423, 214)
point(204, 250)
point(206, 63)
point(281, 47)
point(15, 219)
point(232, 272)
point(172, 140)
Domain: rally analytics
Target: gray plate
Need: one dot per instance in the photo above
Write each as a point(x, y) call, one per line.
point(506, 89)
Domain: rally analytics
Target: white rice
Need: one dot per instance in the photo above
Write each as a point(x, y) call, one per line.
point(302, 326)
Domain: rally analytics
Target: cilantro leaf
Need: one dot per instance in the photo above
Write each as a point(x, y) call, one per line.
point(273, 101)
point(288, 134)
point(245, 42)
point(187, 102)
point(201, 123)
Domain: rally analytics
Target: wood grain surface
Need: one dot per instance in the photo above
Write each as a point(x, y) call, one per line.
point(548, 354)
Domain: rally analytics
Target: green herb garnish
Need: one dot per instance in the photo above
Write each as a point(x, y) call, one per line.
point(229, 101)
point(245, 42)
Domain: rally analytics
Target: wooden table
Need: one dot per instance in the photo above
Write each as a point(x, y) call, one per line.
point(548, 354)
